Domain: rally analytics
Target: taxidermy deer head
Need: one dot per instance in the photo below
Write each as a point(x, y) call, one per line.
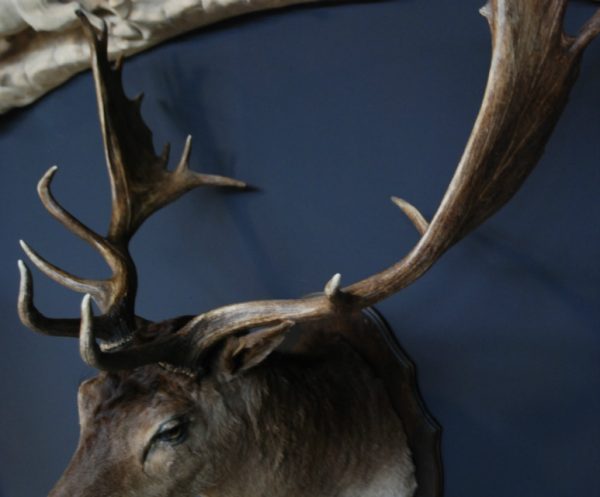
point(207, 404)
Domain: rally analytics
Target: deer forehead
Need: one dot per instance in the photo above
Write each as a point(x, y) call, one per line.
point(135, 399)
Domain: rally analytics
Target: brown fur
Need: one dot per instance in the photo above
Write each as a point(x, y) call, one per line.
point(294, 425)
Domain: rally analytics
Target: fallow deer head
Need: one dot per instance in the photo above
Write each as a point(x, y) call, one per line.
point(191, 405)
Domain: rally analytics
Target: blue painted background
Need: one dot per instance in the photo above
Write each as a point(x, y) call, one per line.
point(330, 111)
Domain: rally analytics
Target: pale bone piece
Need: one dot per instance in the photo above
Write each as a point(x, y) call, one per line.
point(42, 44)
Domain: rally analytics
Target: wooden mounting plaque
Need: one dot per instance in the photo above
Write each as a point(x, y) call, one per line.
point(370, 336)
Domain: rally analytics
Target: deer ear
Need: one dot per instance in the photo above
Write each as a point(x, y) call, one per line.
point(245, 352)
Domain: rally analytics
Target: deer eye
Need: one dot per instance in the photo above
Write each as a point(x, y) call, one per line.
point(173, 431)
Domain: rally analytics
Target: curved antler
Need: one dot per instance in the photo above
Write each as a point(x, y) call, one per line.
point(534, 65)
point(140, 185)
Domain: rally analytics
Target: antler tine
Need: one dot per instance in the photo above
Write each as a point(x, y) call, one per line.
point(534, 65)
point(72, 223)
point(588, 32)
point(413, 214)
point(188, 179)
point(59, 275)
point(101, 290)
point(32, 318)
point(169, 188)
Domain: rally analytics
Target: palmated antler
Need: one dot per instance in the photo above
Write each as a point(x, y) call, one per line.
point(534, 65)
point(140, 185)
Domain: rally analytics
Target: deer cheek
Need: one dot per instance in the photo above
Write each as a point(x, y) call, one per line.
point(161, 460)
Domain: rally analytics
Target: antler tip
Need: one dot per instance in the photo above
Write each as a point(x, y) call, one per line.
point(25, 279)
point(332, 288)
point(29, 252)
point(86, 305)
point(27, 312)
point(235, 183)
point(589, 31)
point(412, 213)
point(88, 348)
point(46, 178)
point(185, 155)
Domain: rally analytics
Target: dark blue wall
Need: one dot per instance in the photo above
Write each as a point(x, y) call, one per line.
point(330, 111)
